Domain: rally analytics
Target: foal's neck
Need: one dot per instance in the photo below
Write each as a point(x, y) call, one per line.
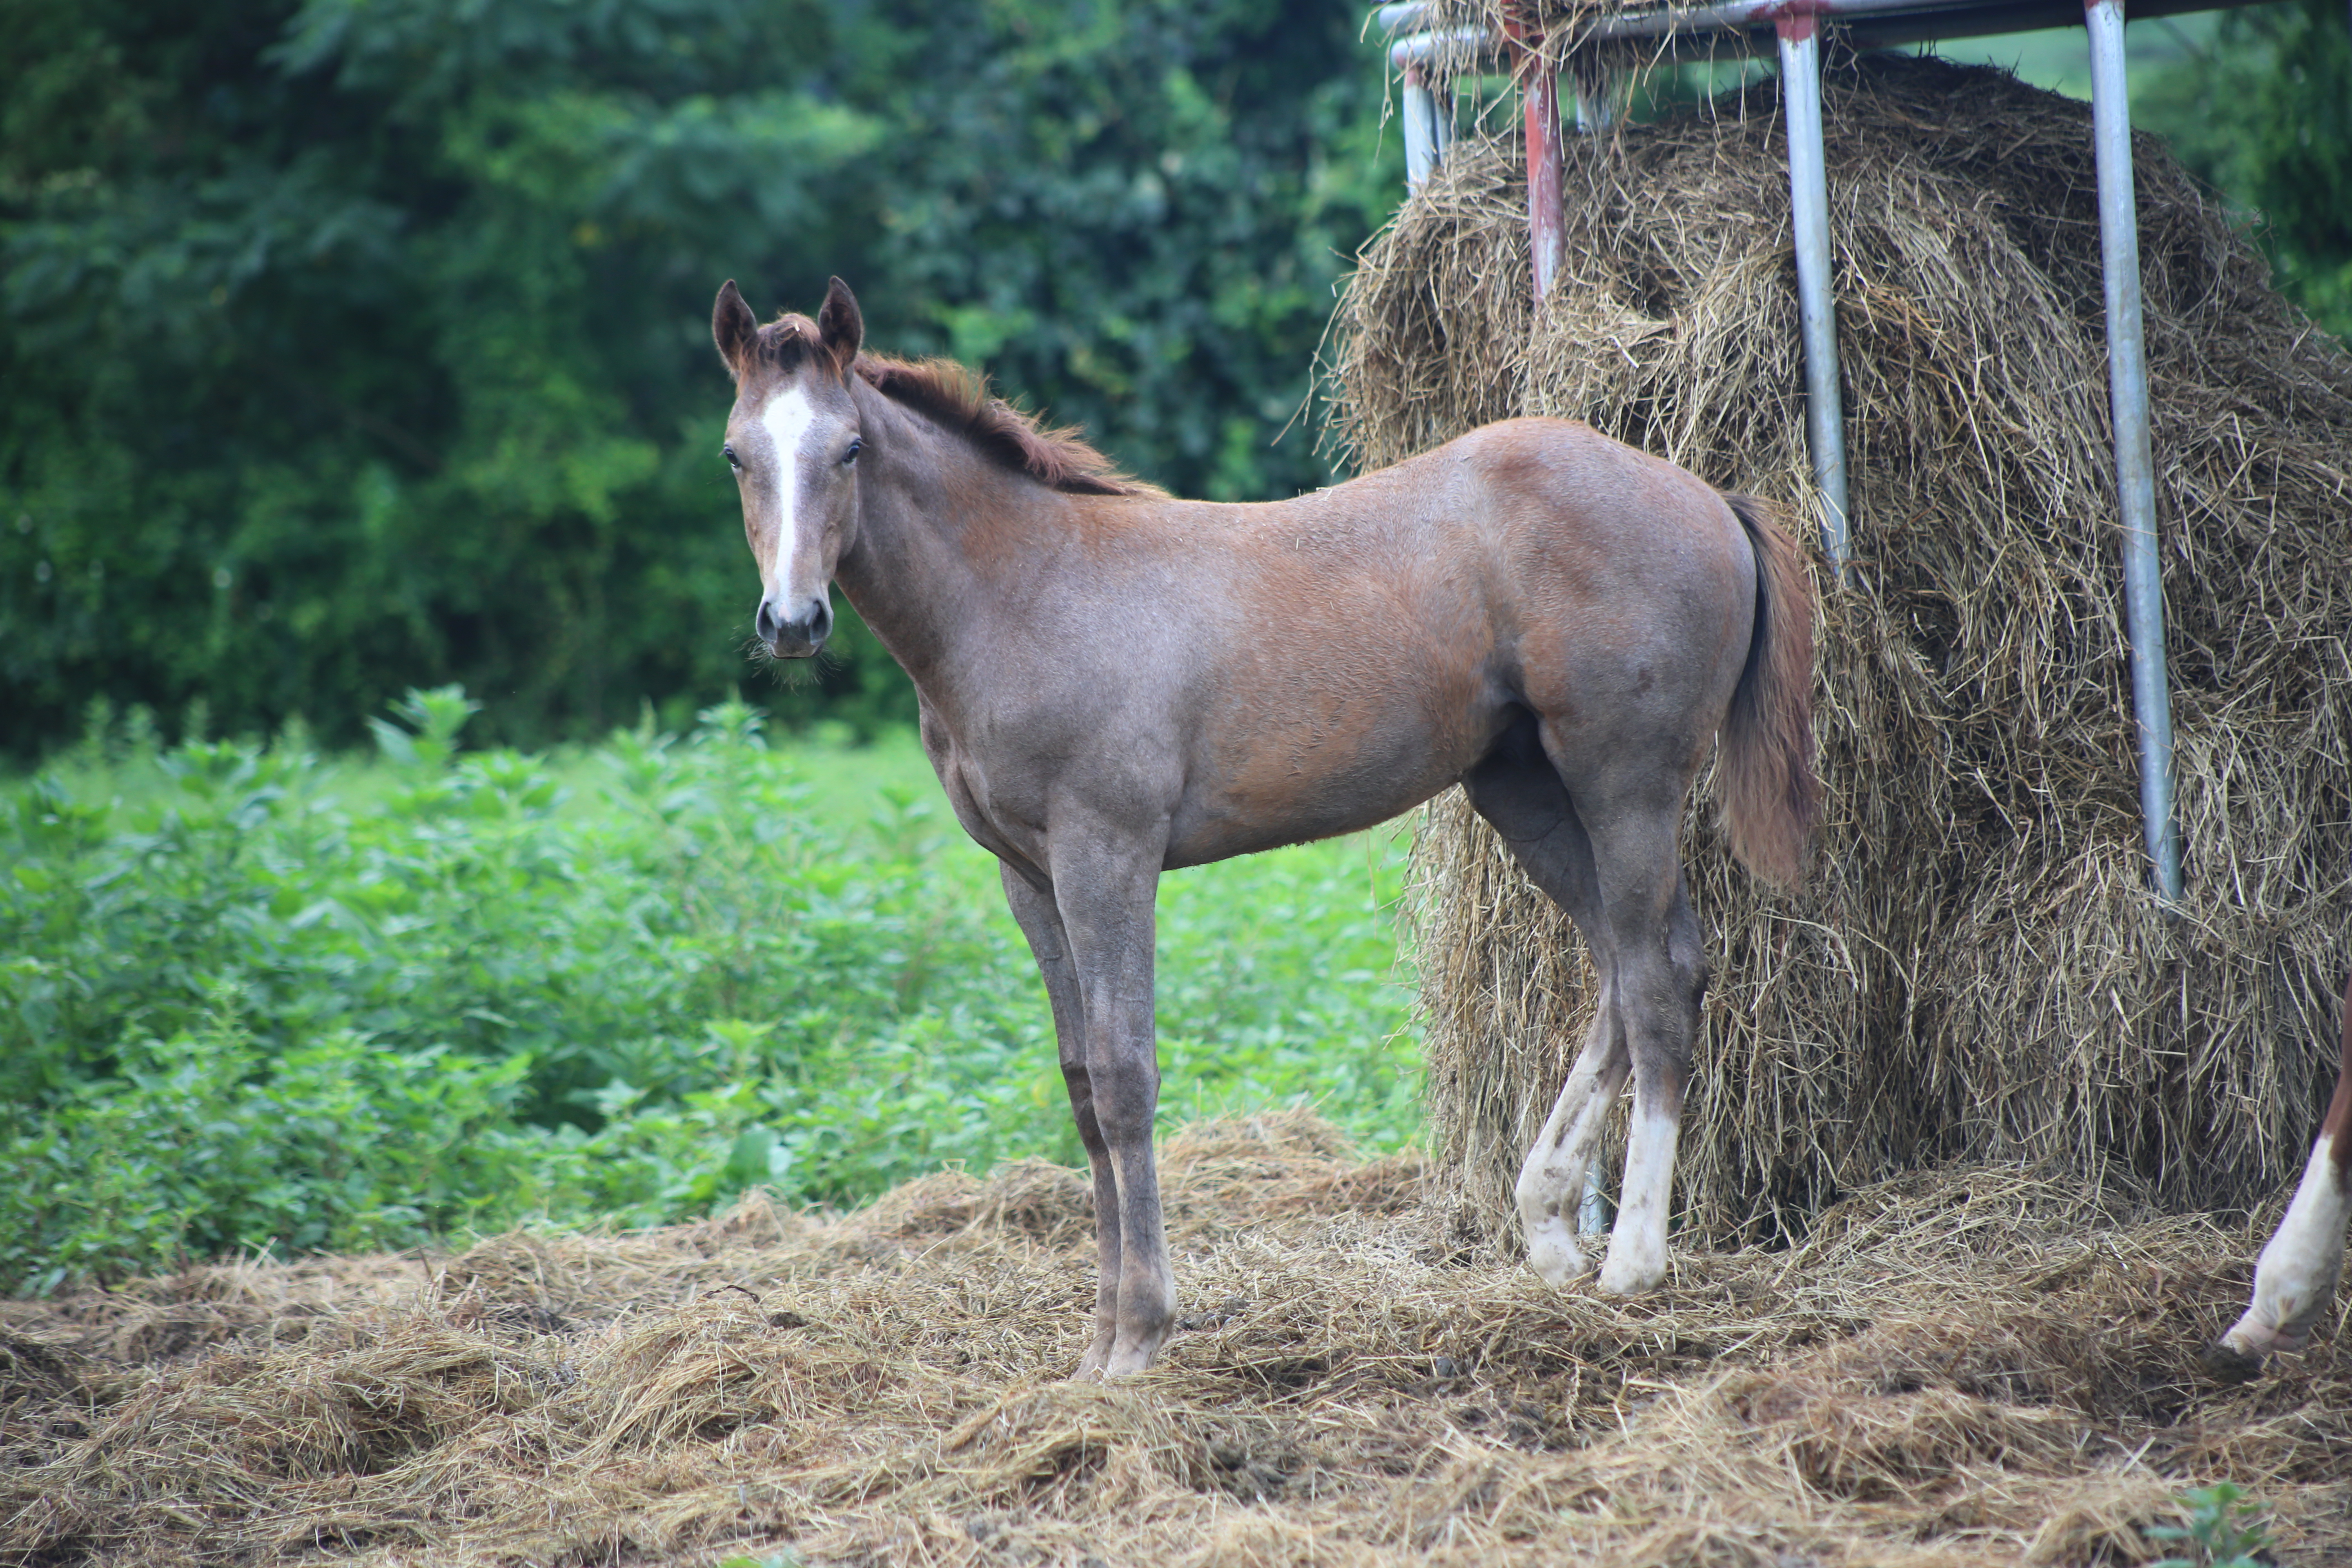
point(939, 526)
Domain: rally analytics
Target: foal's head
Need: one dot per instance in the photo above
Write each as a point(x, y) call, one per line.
point(792, 440)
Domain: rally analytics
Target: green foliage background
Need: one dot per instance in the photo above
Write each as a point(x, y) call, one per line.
point(352, 344)
point(2264, 112)
point(250, 998)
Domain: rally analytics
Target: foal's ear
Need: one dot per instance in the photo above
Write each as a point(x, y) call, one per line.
point(733, 328)
point(838, 325)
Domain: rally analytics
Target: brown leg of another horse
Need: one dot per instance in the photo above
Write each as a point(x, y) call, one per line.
point(1104, 884)
point(1042, 924)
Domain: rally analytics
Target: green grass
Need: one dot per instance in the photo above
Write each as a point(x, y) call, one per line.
point(252, 997)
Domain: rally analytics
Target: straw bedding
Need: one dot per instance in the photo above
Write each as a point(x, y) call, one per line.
point(1975, 971)
point(1975, 1367)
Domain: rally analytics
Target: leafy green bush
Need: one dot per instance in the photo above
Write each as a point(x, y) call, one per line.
point(197, 1146)
point(258, 998)
point(2263, 111)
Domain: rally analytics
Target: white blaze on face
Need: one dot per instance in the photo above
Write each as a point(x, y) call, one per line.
point(788, 419)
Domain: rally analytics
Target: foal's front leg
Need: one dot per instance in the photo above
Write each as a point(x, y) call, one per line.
point(1041, 922)
point(1104, 885)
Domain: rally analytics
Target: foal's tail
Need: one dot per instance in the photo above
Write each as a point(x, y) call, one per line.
point(1765, 779)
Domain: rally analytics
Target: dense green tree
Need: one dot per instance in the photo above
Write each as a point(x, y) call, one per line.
point(354, 344)
point(2264, 112)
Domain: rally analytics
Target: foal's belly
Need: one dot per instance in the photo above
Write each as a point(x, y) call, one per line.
point(1216, 835)
point(1338, 757)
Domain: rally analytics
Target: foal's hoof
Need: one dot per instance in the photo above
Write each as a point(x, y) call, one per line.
point(1132, 1353)
point(1629, 1274)
point(1097, 1356)
point(1114, 1355)
point(1553, 1254)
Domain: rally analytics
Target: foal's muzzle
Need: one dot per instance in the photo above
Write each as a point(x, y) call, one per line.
point(795, 632)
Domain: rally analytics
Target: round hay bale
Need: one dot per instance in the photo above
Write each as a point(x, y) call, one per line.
point(1976, 970)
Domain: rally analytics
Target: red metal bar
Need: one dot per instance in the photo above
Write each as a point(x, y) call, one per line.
point(1547, 172)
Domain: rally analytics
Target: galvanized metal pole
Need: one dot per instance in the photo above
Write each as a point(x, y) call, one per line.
point(1593, 1212)
point(2134, 465)
point(1428, 108)
point(1809, 216)
point(1419, 129)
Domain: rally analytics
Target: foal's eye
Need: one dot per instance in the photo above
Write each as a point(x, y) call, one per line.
point(733, 462)
point(856, 444)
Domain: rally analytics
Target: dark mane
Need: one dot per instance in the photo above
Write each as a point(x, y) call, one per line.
point(949, 394)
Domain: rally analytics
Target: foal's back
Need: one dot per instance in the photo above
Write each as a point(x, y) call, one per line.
point(1322, 664)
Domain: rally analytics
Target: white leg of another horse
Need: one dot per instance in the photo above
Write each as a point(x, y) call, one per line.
point(1551, 1182)
point(2297, 1275)
point(1637, 1247)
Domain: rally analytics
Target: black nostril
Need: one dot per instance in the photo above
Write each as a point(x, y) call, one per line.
point(805, 633)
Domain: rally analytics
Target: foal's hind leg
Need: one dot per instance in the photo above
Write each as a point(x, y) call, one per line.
point(1516, 789)
point(1042, 924)
point(1551, 1182)
point(1660, 980)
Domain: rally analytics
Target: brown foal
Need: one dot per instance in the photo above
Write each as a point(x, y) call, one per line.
point(1115, 683)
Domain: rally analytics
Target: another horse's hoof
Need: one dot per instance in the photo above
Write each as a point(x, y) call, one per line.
point(2225, 1362)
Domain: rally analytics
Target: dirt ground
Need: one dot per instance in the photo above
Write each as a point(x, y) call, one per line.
point(1979, 1366)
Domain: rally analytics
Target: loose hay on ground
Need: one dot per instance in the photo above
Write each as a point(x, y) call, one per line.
point(1983, 1366)
point(1976, 972)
